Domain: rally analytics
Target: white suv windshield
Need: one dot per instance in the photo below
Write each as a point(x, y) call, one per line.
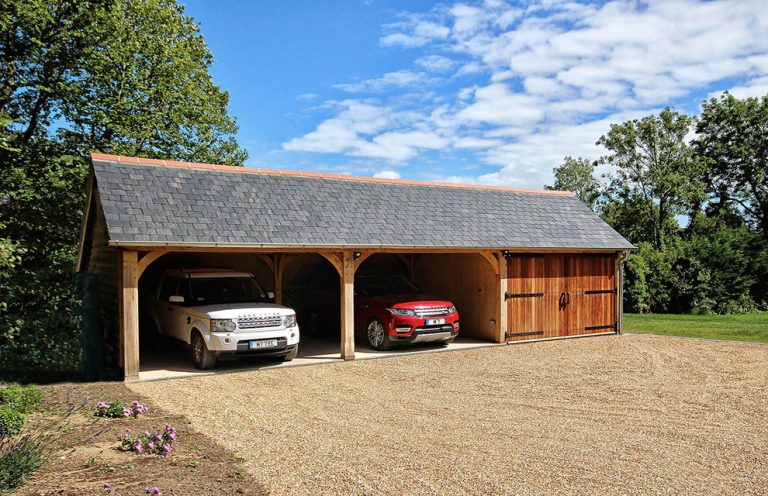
point(217, 290)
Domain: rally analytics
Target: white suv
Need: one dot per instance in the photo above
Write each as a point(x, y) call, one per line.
point(223, 313)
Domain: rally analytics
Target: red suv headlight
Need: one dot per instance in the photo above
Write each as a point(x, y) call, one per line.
point(402, 312)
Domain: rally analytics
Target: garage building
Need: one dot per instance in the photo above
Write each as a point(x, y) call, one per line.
point(519, 264)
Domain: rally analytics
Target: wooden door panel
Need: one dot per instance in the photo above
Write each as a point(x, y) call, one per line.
point(560, 295)
point(596, 290)
point(525, 297)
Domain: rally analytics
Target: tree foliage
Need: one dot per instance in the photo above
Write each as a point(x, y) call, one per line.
point(732, 137)
point(577, 175)
point(147, 91)
point(718, 262)
point(119, 76)
point(651, 159)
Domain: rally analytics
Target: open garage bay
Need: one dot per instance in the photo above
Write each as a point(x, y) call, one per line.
point(618, 414)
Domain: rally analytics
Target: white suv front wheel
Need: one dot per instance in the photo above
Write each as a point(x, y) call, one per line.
point(201, 357)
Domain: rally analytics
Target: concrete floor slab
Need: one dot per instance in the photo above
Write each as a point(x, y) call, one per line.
point(168, 360)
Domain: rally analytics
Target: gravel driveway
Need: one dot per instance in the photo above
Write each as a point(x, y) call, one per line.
point(617, 414)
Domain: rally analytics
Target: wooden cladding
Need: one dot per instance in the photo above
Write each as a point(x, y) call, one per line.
point(575, 294)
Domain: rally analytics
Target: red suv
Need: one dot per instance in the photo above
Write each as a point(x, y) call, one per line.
point(389, 310)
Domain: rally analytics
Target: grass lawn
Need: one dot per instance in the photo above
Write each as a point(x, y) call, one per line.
point(750, 327)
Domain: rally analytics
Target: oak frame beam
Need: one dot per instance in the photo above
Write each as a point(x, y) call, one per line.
point(347, 285)
point(501, 271)
point(146, 260)
point(129, 314)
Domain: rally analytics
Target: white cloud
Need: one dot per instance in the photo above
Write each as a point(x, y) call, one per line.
point(545, 80)
point(359, 130)
point(496, 104)
point(395, 79)
point(387, 174)
point(421, 33)
point(435, 63)
point(757, 87)
point(342, 132)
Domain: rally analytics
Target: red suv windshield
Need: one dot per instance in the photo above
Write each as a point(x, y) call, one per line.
point(384, 284)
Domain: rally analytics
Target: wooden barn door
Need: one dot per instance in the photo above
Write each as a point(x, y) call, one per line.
point(560, 295)
point(590, 285)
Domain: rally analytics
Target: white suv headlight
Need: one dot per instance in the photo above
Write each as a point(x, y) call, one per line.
point(289, 320)
point(223, 325)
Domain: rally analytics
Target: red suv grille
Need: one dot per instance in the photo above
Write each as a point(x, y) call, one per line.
point(432, 312)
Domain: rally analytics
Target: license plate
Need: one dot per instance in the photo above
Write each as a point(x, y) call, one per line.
point(265, 343)
point(434, 322)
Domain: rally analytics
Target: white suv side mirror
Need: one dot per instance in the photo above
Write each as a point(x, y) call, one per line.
point(270, 295)
point(176, 299)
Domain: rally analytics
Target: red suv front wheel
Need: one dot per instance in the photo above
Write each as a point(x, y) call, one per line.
point(377, 335)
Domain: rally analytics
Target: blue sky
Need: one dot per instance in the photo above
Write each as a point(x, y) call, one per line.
point(488, 92)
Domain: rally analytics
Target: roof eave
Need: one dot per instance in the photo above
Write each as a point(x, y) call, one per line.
point(268, 246)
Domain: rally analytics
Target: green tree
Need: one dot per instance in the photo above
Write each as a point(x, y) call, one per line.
point(651, 159)
point(120, 76)
point(715, 269)
point(42, 45)
point(577, 175)
point(732, 138)
point(147, 89)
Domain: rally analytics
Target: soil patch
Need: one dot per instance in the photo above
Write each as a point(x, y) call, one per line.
point(84, 452)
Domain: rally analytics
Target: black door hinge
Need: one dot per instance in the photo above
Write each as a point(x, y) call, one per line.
point(600, 291)
point(522, 295)
point(594, 328)
point(508, 335)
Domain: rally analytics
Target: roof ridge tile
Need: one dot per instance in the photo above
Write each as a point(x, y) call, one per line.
point(122, 159)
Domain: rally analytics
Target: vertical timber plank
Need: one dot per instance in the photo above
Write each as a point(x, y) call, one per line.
point(619, 293)
point(129, 315)
point(348, 306)
point(503, 306)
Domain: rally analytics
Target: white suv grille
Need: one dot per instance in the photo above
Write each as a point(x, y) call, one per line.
point(257, 321)
point(432, 312)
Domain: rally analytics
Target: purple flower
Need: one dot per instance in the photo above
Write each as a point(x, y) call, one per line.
point(166, 450)
point(159, 437)
point(126, 412)
point(101, 405)
point(137, 447)
point(108, 488)
point(151, 446)
point(170, 432)
point(155, 491)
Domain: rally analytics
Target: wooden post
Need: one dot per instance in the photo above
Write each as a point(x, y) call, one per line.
point(347, 274)
point(503, 284)
point(129, 315)
point(620, 259)
point(278, 268)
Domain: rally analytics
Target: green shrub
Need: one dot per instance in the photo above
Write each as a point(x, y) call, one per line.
point(18, 459)
point(23, 399)
point(11, 422)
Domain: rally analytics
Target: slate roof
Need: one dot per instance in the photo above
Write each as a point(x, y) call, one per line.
point(150, 202)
